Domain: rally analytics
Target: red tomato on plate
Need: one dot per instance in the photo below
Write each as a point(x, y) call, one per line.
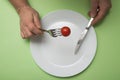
point(65, 31)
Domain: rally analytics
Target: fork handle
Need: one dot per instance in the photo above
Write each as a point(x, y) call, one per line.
point(89, 23)
point(44, 30)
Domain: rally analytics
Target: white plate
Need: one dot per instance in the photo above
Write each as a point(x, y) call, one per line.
point(56, 55)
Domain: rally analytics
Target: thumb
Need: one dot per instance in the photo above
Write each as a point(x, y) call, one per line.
point(37, 21)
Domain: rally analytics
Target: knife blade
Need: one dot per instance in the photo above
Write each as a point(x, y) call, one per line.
point(82, 37)
point(80, 41)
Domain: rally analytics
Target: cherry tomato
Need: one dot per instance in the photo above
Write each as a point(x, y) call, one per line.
point(65, 31)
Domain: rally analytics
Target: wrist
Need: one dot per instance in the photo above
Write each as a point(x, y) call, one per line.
point(20, 9)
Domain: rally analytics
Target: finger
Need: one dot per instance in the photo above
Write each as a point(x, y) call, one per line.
point(94, 7)
point(25, 33)
point(36, 31)
point(101, 14)
point(32, 28)
point(37, 21)
point(22, 35)
point(28, 33)
point(22, 30)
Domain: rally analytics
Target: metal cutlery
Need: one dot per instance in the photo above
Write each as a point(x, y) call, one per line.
point(83, 35)
point(53, 32)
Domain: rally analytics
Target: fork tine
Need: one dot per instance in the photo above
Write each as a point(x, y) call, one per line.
point(56, 32)
point(53, 32)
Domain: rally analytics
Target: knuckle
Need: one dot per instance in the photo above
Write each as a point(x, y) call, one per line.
point(27, 36)
point(36, 14)
point(30, 24)
point(30, 34)
point(24, 37)
point(31, 27)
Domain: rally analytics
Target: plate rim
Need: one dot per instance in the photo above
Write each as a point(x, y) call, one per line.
point(78, 60)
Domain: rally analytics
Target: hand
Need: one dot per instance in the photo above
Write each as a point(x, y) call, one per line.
point(29, 22)
point(99, 8)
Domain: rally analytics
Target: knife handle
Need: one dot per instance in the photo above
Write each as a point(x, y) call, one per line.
point(89, 23)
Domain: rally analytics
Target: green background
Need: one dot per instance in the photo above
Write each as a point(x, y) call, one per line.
point(16, 62)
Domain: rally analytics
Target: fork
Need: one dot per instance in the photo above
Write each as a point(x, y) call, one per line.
point(53, 32)
point(83, 35)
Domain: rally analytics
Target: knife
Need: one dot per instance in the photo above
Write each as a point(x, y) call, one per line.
point(83, 35)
